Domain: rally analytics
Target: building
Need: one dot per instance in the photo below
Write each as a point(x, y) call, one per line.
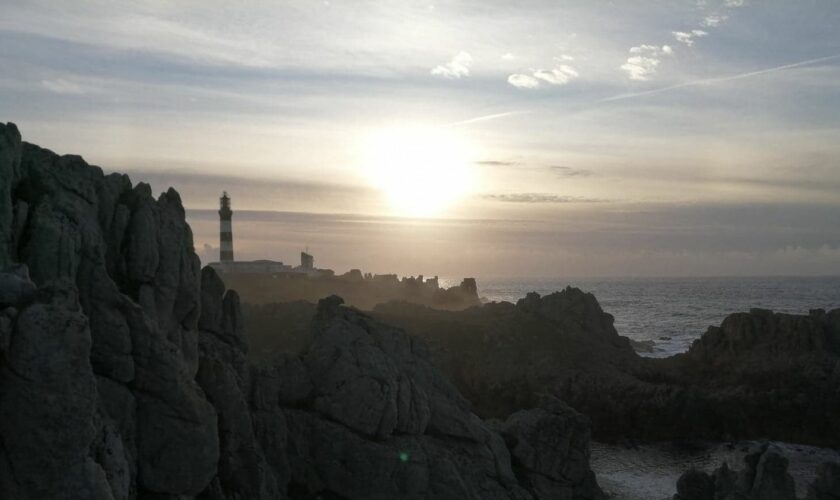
point(225, 229)
point(227, 264)
point(307, 261)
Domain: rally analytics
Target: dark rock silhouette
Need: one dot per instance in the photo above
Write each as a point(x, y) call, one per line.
point(764, 477)
point(123, 373)
point(758, 375)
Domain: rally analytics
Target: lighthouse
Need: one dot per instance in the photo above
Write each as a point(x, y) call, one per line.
point(225, 229)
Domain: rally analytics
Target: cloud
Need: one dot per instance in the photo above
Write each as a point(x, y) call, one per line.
point(564, 171)
point(688, 37)
point(644, 59)
point(496, 163)
point(538, 198)
point(521, 81)
point(62, 86)
point(508, 56)
point(557, 76)
point(734, 4)
point(565, 57)
point(719, 79)
point(713, 20)
point(560, 75)
point(458, 67)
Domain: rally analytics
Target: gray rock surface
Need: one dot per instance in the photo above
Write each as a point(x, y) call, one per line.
point(827, 484)
point(550, 449)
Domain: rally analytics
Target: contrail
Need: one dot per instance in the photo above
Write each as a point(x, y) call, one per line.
point(718, 79)
point(484, 118)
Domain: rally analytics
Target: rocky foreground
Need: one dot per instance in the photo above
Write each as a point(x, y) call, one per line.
point(123, 373)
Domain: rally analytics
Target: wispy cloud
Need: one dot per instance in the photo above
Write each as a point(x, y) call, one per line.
point(560, 75)
point(720, 79)
point(62, 86)
point(713, 20)
point(687, 37)
point(496, 163)
point(458, 67)
point(538, 198)
point(523, 81)
point(564, 171)
point(644, 59)
point(485, 118)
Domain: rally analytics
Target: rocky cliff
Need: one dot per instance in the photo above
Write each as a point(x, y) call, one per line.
point(123, 373)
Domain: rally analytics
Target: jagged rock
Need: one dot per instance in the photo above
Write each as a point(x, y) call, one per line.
point(399, 431)
point(378, 380)
point(91, 240)
point(758, 375)
point(550, 449)
point(764, 477)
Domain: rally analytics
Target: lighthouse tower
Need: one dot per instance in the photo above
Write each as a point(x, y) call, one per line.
point(225, 229)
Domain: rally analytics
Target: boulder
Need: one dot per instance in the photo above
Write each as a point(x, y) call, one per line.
point(549, 446)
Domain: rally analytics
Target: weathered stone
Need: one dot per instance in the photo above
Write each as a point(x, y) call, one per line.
point(16, 288)
point(550, 446)
point(827, 484)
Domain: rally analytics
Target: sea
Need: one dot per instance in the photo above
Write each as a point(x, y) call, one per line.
point(668, 314)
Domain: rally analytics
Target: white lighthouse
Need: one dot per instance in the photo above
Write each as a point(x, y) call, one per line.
point(225, 229)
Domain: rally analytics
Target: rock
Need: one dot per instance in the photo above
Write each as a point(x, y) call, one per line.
point(758, 375)
point(282, 381)
point(123, 265)
point(764, 477)
point(695, 485)
point(48, 401)
point(16, 288)
point(827, 484)
point(549, 446)
point(383, 423)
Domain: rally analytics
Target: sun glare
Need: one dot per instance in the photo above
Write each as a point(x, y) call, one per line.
point(422, 171)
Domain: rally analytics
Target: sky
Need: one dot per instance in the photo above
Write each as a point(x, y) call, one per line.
point(481, 138)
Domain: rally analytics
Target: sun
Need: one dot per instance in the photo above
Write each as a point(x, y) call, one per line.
point(423, 171)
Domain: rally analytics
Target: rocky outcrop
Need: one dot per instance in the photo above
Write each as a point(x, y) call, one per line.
point(758, 375)
point(101, 338)
point(764, 477)
point(123, 372)
point(550, 449)
point(502, 356)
